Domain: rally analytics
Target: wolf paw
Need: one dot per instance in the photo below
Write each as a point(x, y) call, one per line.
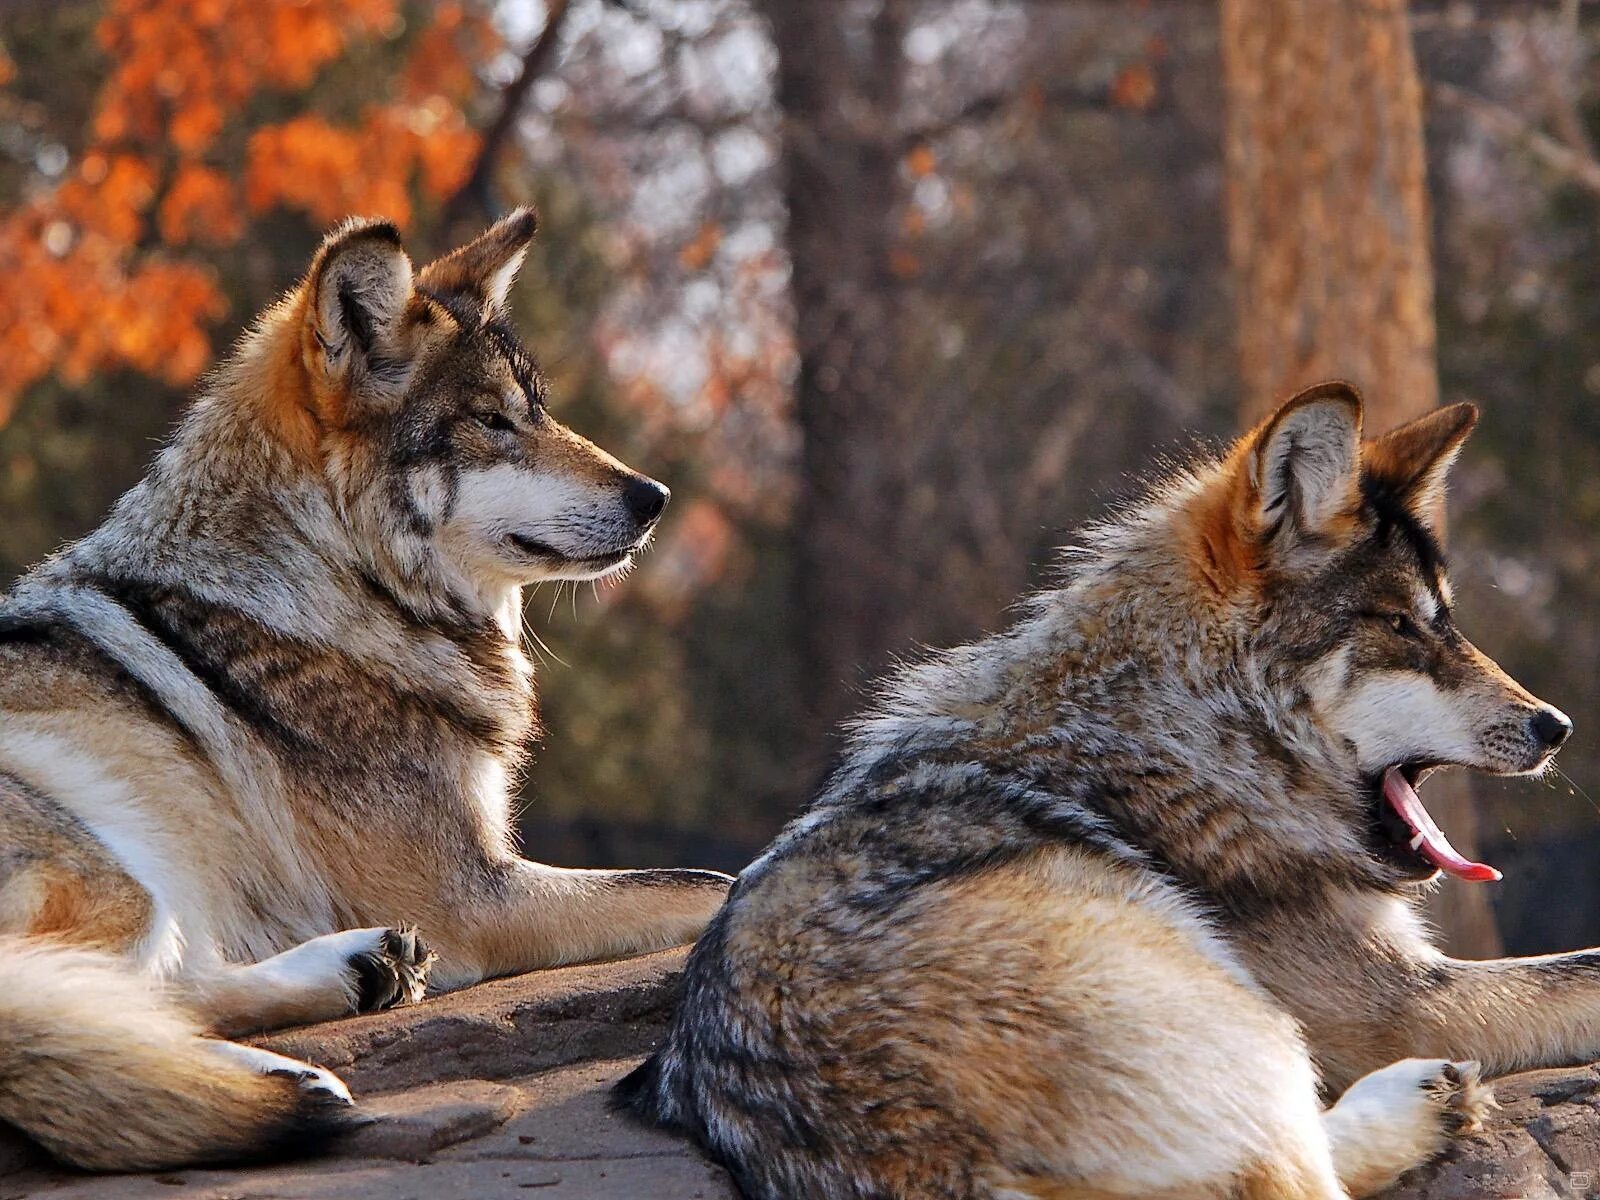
point(1401, 1117)
point(1459, 1096)
point(395, 971)
point(321, 1085)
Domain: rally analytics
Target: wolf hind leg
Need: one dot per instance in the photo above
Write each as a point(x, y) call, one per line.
point(526, 916)
point(1401, 1116)
point(355, 971)
point(1292, 1162)
point(1150, 1065)
point(1297, 1167)
point(59, 881)
point(1387, 1123)
point(1277, 1180)
point(304, 1075)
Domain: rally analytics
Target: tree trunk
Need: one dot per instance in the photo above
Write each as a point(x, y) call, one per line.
point(1330, 242)
point(857, 587)
point(1327, 195)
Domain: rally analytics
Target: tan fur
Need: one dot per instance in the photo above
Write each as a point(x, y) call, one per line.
point(57, 880)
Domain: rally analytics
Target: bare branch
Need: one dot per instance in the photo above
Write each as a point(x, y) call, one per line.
point(1577, 165)
point(474, 193)
point(1556, 84)
point(1056, 97)
point(625, 124)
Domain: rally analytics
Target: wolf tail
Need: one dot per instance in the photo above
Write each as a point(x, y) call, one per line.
point(643, 1094)
point(107, 1074)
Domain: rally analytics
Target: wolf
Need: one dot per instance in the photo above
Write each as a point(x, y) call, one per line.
point(262, 724)
point(1110, 903)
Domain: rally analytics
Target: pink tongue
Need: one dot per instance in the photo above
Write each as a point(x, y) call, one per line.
point(1402, 797)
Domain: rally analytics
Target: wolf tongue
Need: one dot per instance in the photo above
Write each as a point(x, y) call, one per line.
point(1402, 797)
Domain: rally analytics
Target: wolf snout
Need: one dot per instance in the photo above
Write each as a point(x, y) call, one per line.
point(645, 498)
point(1551, 727)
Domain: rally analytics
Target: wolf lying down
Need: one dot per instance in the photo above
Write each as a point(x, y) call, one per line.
point(1103, 905)
point(271, 709)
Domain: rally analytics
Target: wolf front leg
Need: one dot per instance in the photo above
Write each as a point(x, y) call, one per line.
point(524, 915)
point(1510, 1014)
point(1377, 991)
point(355, 971)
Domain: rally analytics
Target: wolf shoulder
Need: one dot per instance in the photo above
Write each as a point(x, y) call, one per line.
point(958, 854)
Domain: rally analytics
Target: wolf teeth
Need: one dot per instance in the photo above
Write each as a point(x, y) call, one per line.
point(1416, 841)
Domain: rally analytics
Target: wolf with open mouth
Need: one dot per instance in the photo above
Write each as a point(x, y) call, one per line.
point(1110, 903)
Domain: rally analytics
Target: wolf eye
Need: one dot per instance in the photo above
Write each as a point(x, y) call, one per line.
point(1399, 623)
point(496, 421)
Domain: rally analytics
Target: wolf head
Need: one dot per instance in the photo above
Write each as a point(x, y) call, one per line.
point(1325, 553)
point(409, 393)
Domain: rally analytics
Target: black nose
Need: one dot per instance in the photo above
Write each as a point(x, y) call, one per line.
point(645, 499)
point(1551, 727)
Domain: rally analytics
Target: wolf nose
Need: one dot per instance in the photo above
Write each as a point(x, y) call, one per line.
point(1551, 727)
point(645, 499)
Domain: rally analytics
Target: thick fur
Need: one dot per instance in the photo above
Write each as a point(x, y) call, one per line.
point(265, 721)
point(1102, 905)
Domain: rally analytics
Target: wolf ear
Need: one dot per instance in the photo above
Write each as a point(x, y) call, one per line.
point(483, 270)
point(1413, 461)
point(358, 287)
point(1301, 466)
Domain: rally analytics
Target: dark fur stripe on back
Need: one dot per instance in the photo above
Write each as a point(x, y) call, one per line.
point(298, 693)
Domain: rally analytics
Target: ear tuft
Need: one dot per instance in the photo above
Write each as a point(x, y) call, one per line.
point(521, 224)
point(482, 271)
point(1302, 464)
point(359, 284)
point(371, 227)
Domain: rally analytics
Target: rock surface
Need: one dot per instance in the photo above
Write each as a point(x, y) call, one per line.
point(499, 1092)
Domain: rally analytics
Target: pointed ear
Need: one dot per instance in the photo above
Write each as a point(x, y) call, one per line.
point(358, 288)
point(483, 270)
point(1413, 461)
point(1301, 468)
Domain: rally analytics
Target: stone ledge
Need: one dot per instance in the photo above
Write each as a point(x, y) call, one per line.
point(499, 1091)
point(500, 1029)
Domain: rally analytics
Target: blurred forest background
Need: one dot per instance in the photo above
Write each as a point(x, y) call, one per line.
point(892, 293)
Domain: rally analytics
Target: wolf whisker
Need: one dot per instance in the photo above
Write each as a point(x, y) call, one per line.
point(544, 646)
point(527, 633)
point(1573, 784)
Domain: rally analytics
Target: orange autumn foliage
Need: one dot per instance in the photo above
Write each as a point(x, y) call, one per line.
point(182, 65)
point(200, 207)
point(1135, 88)
point(106, 269)
point(328, 172)
point(701, 248)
